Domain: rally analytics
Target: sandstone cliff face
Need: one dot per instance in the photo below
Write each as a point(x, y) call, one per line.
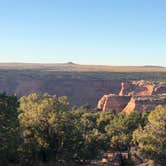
point(135, 95)
point(113, 102)
point(130, 106)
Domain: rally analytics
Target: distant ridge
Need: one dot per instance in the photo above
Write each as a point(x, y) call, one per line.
point(153, 66)
point(73, 67)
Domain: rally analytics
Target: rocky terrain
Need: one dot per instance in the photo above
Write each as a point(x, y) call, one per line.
point(135, 95)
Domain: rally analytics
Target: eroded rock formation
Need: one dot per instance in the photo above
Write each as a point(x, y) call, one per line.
point(135, 95)
point(160, 88)
point(144, 103)
point(113, 102)
point(137, 88)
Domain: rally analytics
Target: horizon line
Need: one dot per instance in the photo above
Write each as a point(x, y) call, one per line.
point(83, 64)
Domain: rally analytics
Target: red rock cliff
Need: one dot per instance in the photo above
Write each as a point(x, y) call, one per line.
point(135, 95)
point(137, 88)
point(114, 102)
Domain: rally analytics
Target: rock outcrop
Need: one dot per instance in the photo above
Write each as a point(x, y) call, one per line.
point(130, 106)
point(135, 95)
point(160, 88)
point(137, 88)
point(144, 103)
point(113, 102)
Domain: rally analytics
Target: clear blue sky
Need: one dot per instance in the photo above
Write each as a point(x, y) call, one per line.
point(114, 32)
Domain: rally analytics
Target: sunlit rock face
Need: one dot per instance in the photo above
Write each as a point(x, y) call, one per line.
point(137, 88)
point(144, 103)
point(113, 102)
point(135, 95)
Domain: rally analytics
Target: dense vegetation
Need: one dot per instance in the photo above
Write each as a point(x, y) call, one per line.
point(43, 129)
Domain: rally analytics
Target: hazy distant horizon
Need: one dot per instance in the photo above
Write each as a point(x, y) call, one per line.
point(86, 64)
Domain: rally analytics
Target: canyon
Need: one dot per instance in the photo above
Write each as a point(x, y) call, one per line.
point(84, 84)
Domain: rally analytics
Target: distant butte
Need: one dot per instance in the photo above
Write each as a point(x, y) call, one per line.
point(71, 63)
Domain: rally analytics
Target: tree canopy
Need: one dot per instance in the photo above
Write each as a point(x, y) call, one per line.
point(43, 128)
point(9, 138)
point(151, 139)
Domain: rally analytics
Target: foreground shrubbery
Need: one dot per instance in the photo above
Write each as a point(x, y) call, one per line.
point(9, 126)
point(42, 128)
point(151, 138)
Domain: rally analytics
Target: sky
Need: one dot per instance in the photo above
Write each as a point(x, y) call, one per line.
point(105, 32)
